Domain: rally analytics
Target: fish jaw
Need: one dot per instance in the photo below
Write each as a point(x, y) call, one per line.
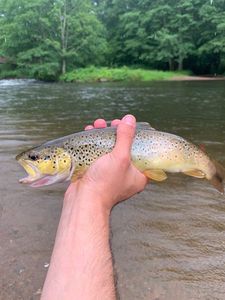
point(36, 179)
point(34, 176)
point(32, 171)
point(49, 179)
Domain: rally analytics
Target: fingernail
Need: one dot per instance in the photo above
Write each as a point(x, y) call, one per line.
point(129, 119)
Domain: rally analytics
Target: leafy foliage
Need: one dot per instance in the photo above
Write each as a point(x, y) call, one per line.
point(44, 37)
point(47, 38)
point(93, 74)
point(166, 33)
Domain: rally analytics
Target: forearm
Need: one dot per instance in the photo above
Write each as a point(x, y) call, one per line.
point(81, 263)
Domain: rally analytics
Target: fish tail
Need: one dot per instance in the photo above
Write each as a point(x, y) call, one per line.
point(218, 178)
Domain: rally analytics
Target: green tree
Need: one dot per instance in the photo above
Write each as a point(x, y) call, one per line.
point(165, 34)
point(82, 36)
point(50, 37)
point(44, 37)
point(211, 46)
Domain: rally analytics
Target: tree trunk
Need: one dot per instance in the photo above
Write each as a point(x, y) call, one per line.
point(63, 65)
point(64, 36)
point(180, 63)
point(171, 64)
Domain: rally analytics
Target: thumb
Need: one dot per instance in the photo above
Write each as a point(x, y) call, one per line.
point(125, 135)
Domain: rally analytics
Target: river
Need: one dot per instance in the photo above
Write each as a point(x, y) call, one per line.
point(169, 241)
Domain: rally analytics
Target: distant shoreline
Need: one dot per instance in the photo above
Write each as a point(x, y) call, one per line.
point(121, 74)
point(126, 74)
point(196, 78)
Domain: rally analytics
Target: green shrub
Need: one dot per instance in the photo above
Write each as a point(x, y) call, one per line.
point(93, 74)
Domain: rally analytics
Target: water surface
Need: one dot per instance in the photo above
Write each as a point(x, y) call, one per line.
point(169, 241)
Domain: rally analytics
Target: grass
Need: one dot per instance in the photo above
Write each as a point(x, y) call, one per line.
point(102, 74)
point(94, 74)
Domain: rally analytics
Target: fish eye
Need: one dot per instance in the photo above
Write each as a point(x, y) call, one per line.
point(33, 157)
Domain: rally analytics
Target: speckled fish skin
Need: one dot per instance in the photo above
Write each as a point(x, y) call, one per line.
point(153, 153)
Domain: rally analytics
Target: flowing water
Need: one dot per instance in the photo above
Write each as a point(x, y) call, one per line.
point(169, 241)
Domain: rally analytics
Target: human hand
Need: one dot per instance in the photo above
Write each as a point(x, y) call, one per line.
point(113, 178)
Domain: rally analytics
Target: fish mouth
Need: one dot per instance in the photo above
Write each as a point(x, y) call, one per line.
point(34, 177)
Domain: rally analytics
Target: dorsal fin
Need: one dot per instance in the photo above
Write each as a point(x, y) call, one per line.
point(144, 125)
point(140, 125)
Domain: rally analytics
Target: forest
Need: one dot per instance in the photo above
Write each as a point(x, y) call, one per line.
point(45, 39)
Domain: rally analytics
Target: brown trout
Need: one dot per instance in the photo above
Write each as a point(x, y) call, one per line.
point(153, 152)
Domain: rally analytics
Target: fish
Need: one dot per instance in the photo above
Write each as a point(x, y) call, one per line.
point(154, 153)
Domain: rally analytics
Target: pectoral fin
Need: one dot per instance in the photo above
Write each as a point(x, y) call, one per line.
point(78, 173)
point(158, 175)
point(195, 173)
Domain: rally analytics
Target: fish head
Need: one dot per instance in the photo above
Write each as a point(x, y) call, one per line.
point(46, 165)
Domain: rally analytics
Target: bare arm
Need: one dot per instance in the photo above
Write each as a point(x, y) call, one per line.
point(81, 263)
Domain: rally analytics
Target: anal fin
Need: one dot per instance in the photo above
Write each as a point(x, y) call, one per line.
point(195, 173)
point(158, 175)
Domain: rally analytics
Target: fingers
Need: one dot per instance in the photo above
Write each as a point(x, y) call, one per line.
point(101, 123)
point(125, 135)
point(88, 127)
point(115, 122)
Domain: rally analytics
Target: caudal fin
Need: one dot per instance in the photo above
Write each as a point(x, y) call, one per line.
point(218, 178)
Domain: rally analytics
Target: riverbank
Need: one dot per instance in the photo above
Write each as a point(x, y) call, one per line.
point(104, 74)
point(196, 78)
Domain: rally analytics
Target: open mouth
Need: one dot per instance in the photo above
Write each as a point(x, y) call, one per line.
point(37, 182)
point(34, 177)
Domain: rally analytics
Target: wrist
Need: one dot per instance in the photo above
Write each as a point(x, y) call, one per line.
point(84, 197)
